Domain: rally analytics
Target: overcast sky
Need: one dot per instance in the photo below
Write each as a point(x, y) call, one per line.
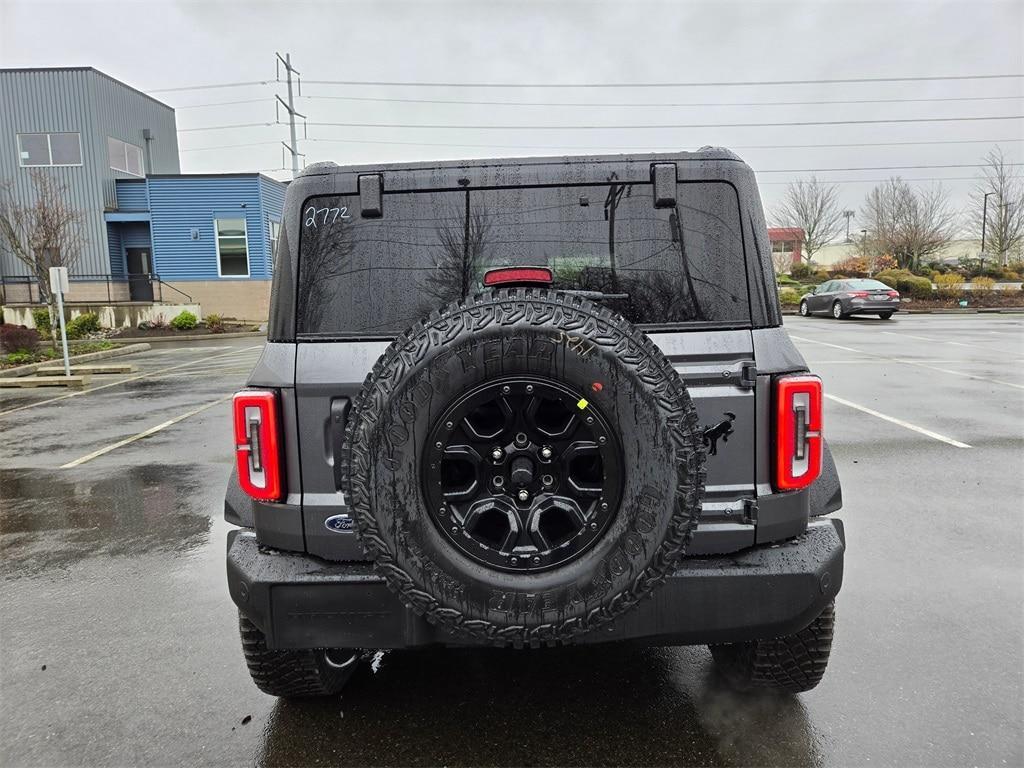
point(156, 45)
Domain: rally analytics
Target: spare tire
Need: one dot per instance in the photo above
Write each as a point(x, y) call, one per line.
point(523, 467)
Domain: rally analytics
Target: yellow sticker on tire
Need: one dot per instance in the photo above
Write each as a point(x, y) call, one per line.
point(582, 403)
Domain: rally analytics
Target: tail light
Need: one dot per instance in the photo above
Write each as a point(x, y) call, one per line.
point(798, 427)
point(506, 275)
point(258, 444)
point(894, 294)
point(857, 294)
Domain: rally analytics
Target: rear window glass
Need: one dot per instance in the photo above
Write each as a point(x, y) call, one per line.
point(866, 285)
point(376, 277)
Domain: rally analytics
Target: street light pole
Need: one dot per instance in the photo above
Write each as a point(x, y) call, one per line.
point(984, 220)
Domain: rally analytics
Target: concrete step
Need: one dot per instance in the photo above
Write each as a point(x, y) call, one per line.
point(58, 370)
point(74, 382)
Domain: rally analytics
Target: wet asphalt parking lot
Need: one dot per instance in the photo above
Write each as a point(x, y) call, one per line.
point(119, 646)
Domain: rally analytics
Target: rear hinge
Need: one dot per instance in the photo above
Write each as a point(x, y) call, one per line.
point(748, 374)
point(750, 511)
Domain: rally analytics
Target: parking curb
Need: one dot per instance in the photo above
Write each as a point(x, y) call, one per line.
point(27, 370)
point(193, 337)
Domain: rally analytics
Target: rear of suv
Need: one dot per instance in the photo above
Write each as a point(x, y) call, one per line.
point(525, 403)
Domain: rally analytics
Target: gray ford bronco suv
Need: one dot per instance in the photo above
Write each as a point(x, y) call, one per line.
point(525, 403)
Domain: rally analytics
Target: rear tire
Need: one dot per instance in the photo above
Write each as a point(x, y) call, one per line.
point(296, 673)
point(885, 315)
point(794, 663)
point(804, 309)
point(837, 311)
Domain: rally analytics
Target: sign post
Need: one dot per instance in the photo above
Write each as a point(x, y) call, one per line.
point(59, 285)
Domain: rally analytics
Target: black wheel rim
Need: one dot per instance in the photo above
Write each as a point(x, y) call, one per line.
point(522, 474)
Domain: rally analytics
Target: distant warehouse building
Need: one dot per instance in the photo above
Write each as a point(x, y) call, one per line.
point(154, 236)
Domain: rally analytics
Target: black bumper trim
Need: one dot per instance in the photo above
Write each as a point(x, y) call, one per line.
point(300, 601)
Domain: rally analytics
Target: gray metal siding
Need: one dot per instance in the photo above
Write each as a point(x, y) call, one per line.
point(89, 103)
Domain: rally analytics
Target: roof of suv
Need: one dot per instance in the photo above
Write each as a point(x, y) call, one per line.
point(704, 154)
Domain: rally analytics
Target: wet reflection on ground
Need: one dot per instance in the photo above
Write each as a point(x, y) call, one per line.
point(615, 705)
point(53, 519)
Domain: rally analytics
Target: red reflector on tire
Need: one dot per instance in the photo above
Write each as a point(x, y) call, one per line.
point(506, 275)
point(798, 431)
point(258, 444)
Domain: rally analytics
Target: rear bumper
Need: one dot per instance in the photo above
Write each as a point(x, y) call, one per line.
point(300, 601)
point(854, 308)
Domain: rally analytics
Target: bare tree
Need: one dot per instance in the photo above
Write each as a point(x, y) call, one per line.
point(463, 241)
point(782, 261)
point(1004, 229)
point(812, 206)
point(46, 233)
point(906, 223)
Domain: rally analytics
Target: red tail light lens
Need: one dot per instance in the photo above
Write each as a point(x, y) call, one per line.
point(258, 444)
point(798, 426)
point(507, 275)
point(894, 294)
point(857, 294)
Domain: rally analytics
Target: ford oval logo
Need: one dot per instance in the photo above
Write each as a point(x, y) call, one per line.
point(339, 523)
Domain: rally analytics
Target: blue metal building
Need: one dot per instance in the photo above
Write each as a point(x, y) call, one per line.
point(210, 237)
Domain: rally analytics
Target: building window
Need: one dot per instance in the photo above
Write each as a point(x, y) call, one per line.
point(38, 149)
point(125, 157)
point(782, 246)
point(275, 233)
point(232, 249)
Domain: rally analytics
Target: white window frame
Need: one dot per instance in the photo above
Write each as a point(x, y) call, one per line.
point(124, 147)
point(245, 236)
point(49, 150)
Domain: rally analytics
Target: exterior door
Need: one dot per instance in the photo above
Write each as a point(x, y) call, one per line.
point(140, 287)
point(819, 302)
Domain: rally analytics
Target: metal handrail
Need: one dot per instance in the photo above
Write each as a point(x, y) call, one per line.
point(30, 280)
point(177, 290)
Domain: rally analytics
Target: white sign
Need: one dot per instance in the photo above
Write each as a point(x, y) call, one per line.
point(59, 280)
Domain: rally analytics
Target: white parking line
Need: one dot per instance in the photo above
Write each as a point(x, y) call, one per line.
point(125, 380)
point(898, 422)
point(915, 363)
point(146, 433)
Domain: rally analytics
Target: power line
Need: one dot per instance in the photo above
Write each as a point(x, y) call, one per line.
point(720, 84)
point(872, 168)
point(225, 127)
point(639, 148)
point(223, 103)
point(658, 104)
point(231, 146)
point(209, 87)
point(882, 181)
point(449, 127)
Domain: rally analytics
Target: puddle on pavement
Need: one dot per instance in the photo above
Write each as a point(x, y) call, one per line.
point(50, 519)
point(610, 705)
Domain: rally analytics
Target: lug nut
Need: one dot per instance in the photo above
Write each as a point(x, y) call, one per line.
point(523, 495)
point(546, 452)
point(497, 453)
point(536, 560)
point(515, 561)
